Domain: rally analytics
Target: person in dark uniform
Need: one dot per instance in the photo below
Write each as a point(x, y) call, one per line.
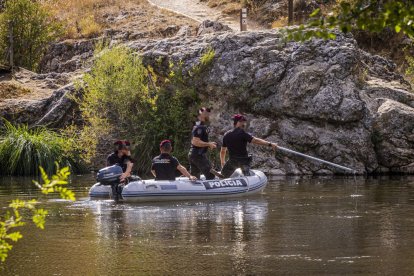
point(164, 165)
point(121, 157)
point(197, 156)
point(235, 141)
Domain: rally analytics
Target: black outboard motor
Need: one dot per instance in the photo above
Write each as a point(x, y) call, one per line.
point(110, 176)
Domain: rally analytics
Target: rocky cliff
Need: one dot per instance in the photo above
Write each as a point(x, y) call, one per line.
point(324, 98)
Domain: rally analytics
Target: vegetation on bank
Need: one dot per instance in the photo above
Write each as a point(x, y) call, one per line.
point(125, 98)
point(24, 149)
point(28, 27)
point(17, 216)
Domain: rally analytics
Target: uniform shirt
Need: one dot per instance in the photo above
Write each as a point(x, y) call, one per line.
point(165, 166)
point(201, 131)
point(114, 159)
point(236, 142)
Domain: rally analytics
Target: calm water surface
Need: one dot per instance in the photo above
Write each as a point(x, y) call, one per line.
point(298, 226)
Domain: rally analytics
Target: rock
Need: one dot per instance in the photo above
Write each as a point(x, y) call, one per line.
point(170, 30)
point(184, 31)
point(208, 26)
point(394, 134)
point(44, 99)
point(67, 56)
point(328, 99)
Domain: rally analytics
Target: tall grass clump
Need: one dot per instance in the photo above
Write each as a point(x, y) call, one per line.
point(23, 150)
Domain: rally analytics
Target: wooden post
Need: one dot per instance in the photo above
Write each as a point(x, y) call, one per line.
point(11, 48)
point(290, 12)
point(243, 19)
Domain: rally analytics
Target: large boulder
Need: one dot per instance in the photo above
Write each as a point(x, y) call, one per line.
point(324, 98)
point(39, 99)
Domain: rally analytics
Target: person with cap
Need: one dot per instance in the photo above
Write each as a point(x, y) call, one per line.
point(164, 166)
point(121, 157)
point(235, 141)
point(200, 144)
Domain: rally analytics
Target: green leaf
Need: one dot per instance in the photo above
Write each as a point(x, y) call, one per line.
point(315, 12)
point(397, 28)
point(15, 236)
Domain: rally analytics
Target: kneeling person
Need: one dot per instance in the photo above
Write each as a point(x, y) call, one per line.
point(164, 165)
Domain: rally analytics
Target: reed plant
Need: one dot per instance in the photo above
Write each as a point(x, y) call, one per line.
point(24, 149)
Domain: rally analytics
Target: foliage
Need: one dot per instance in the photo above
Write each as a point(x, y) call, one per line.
point(121, 96)
point(33, 28)
point(13, 217)
point(410, 69)
point(115, 96)
point(22, 150)
point(89, 27)
point(369, 15)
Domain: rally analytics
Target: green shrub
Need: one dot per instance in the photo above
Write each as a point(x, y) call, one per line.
point(33, 29)
point(118, 99)
point(410, 69)
point(23, 150)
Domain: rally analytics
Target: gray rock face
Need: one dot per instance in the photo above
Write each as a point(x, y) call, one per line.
point(328, 99)
point(324, 98)
point(208, 27)
point(47, 100)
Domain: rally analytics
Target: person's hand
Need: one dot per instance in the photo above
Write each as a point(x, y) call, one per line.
point(212, 145)
point(274, 146)
point(124, 176)
point(193, 178)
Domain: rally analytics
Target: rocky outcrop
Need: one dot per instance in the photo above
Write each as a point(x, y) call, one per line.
point(324, 98)
point(44, 99)
point(208, 27)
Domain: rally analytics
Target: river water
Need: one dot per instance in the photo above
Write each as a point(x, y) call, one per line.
point(298, 226)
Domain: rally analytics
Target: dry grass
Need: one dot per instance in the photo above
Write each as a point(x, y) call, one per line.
point(11, 90)
point(280, 22)
point(89, 18)
point(226, 6)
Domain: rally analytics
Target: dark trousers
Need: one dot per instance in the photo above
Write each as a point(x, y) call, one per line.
point(199, 163)
point(234, 163)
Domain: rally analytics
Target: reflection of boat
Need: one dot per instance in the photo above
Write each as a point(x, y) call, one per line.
point(184, 189)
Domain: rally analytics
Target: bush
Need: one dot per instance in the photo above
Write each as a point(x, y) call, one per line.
point(33, 29)
point(23, 150)
point(89, 27)
point(118, 98)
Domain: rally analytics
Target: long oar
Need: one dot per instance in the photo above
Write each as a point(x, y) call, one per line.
point(314, 158)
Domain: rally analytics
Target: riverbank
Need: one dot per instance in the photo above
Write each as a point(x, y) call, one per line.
point(328, 99)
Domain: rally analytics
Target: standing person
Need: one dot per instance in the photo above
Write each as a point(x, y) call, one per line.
point(165, 165)
point(121, 157)
point(197, 156)
point(235, 141)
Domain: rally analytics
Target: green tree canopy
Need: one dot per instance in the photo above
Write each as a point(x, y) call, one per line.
point(366, 15)
point(32, 28)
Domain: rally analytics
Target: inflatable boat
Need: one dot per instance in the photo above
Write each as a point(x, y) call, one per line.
point(184, 189)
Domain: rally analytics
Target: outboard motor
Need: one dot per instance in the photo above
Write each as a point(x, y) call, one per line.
point(110, 176)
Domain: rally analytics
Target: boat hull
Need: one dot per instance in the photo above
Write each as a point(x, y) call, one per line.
point(184, 189)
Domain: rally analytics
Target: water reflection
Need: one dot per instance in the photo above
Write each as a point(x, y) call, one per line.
point(298, 226)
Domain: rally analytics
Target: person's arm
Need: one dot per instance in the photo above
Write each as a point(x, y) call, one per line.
point(184, 172)
point(223, 153)
point(153, 173)
point(201, 144)
point(262, 142)
point(128, 170)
